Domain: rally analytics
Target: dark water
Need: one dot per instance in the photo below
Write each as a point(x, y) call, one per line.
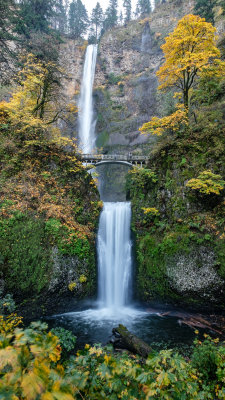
point(94, 325)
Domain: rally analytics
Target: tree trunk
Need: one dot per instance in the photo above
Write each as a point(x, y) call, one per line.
point(186, 98)
point(124, 339)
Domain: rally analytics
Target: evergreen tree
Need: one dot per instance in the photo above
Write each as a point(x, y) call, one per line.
point(121, 18)
point(127, 6)
point(111, 17)
point(204, 8)
point(60, 18)
point(97, 20)
point(35, 15)
point(143, 7)
point(78, 19)
point(7, 25)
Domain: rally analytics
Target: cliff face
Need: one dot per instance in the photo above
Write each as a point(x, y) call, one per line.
point(180, 246)
point(125, 81)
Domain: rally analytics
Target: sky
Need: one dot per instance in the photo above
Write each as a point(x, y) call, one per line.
point(90, 4)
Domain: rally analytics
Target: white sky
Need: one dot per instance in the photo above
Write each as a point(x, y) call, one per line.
point(90, 4)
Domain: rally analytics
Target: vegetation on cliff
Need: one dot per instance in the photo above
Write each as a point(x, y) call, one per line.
point(49, 204)
point(180, 244)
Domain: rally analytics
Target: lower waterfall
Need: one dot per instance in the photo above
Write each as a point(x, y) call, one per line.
point(114, 256)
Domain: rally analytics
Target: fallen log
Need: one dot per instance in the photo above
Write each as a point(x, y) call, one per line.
point(198, 323)
point(123, 339)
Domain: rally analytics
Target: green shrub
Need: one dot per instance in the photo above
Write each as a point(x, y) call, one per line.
point(204, 359)
point(140, 180)
point(113, 79)
point(66, 338)
point(26, 255)
point(7, 304)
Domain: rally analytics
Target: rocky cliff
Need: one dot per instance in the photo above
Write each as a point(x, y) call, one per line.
point(125, 81)
point(180, 238)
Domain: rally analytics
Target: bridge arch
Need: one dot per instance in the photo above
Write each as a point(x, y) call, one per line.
point(103, 162)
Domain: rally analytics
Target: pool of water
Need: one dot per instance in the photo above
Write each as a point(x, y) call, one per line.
point(94, 325)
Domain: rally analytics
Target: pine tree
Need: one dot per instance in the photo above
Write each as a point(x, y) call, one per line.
point(204, 8)
point(60, 18)
point(111, 17)
point(78, 19)
point(35, 15)
point(97, 20)
point(143, 7)
point(7, 25)
point(121, 18)
point(127, 6)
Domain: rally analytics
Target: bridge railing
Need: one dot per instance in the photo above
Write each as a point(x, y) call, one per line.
point(118, 157)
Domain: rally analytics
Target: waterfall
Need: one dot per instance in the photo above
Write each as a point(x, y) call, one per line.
point(114, 242)
point(86, 115)
point(114, 255)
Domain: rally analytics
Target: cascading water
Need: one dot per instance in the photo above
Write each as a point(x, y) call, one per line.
point(86, 115)
point(114, 255)
point(114, 244)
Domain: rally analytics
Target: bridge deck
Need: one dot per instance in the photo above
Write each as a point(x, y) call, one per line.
point(115, 158)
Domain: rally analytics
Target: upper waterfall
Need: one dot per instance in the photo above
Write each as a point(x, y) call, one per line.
point(86, 115)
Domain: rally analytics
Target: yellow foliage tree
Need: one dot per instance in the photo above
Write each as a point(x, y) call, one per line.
point(188, 50)
point(35, 102)
point(171, 123)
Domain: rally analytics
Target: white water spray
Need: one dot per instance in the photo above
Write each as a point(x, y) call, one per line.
point(86, 115)
point(114, 256)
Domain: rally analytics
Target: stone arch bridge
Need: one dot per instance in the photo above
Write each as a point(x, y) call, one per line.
point(125, 159)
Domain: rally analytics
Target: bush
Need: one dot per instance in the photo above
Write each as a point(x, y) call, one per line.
point(140, 180)
point(7, 304)
point(204, 359)
point(207, 183)
point(66, 339)
point(25, 253)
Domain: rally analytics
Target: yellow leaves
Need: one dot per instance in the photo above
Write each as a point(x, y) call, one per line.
point(72, 108)
point(72, 286)
point(173, 122)
point(8, 356)
point(188, 49)
point(144, 21)
point(207, 183)
point(107, 358)
point(82, 279)
point(9, 323)
point(96, 350)
point(32, 386)
point(35, 102)
point(151, 211)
